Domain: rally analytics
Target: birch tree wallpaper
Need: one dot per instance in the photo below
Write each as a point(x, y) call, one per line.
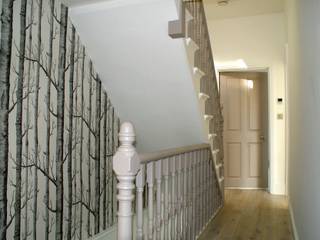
point(58, 128)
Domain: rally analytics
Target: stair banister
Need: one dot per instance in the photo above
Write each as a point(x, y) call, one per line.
point(178, 181)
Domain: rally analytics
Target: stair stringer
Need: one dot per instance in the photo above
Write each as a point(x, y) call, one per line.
point(191, 49)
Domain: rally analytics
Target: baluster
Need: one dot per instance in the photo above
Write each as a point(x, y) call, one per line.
point(199, 191)
point(179, 195)
point(207, 186)
point(173, 197)
point(196, 200)
point(204, 193)
point(150, 179)
point(210, 169)
point(194, 194)
point(189, 193)
point(202, 206)
point(165, 164)
point(158, 180)
point(185, 196)
point(140, 182)
point(126, 164)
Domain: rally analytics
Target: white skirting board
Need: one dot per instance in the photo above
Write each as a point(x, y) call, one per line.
point(293, 223)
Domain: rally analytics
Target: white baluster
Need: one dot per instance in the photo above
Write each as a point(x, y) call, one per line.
point(198, 192)
point(201, 189)
point(158, 180)
point(150, 180)
point(173, 197)
point(126, 164)
point(189, 193)
point(205, 189)
point(179, 195)
point(194, 194)
point(207, 168)
point(185, 196)
point(140, 182)
point(165, 163)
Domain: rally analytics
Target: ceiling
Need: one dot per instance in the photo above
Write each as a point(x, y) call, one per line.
point(242, 8)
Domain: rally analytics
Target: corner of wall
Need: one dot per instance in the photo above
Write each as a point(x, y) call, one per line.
point(293, 222)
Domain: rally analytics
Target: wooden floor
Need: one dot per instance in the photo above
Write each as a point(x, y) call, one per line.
point(254, 215)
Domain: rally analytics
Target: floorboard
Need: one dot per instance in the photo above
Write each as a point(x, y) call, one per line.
point(251, 215)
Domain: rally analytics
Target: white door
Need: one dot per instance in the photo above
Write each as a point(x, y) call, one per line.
point(245, 110)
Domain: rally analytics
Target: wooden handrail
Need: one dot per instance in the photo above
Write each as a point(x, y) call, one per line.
point(162, 154)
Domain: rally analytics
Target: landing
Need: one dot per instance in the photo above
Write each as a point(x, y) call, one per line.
point(251, 215)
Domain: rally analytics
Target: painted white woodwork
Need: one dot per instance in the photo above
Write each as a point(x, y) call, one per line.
point(173, 197)
point(140, 183)
point(191, 44)
point(158, 181)
point(203, 70)
point(189, 195)
point(244, 97)
point(182, 191)
point(198, 201)
point(166, 197)
point(126, 165)
point(168, 153)
point(194, 197)
point(179, 195)
point(150, 182)
point(203, 96)
point(208, 117)
point(184, 195)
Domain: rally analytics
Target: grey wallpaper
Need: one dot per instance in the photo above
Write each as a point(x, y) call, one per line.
point(58, 128)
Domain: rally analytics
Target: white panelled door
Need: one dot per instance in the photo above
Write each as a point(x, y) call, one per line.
point(244, 98)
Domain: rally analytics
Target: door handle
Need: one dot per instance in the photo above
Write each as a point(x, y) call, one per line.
point(262, 138)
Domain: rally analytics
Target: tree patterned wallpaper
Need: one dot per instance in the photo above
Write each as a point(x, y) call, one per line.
point(58, 128)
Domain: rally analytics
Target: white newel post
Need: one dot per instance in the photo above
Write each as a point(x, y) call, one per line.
point(126, 164)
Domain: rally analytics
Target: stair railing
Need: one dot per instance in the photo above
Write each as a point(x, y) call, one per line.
point(197, 31)
point(182, 191)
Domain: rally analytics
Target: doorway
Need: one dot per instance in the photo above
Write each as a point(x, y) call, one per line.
point(244, 98)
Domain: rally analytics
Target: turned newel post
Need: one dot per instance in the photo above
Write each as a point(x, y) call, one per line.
point(126, 164)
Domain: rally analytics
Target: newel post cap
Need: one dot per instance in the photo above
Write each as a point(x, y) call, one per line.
point(126, 160)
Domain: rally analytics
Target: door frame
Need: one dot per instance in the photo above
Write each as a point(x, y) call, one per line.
point(269, 140)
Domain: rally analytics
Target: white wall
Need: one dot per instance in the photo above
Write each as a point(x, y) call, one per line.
point(258, 42)
point(304, 116)
point(147, 72)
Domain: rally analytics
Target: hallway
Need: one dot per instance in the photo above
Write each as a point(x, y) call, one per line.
point(254, 215)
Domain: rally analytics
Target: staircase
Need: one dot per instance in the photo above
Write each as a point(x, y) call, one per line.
point(204, 77)
point(178, 190)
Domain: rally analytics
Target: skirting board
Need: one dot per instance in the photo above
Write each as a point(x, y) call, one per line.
point(293, 223)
